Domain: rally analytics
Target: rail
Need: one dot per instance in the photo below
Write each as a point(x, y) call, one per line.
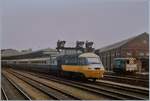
point(127, 80)
point(3, 94)
point(52, 92)
point(99, 90)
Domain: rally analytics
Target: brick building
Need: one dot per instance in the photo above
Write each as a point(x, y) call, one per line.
point(137, 47)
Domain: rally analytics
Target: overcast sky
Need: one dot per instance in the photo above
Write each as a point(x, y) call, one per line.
point(38, 24)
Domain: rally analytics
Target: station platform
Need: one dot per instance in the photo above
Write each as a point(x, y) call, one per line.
point(123, 85)
point(138, 73)
point(142, 73)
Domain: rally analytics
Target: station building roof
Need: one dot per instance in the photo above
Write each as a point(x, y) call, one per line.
point(119, 44)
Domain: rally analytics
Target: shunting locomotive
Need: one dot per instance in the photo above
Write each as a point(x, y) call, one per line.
point(125, 65)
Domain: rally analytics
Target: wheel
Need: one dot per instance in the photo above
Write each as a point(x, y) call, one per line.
point(83, 78)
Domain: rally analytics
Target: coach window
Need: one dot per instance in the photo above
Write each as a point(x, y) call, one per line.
point(72, 61)
point(66, 61)
point(43, 62)
point(54, 62)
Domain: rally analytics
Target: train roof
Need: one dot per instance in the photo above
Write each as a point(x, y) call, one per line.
point(34, 59)
point(34, 54)
point(88, 55)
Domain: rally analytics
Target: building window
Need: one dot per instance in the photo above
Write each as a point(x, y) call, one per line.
point(144, 41)
point(141, 54)
point(108, 55)
point(116, 53)
point(113, 54)
point(129, 54)
point(147, 54)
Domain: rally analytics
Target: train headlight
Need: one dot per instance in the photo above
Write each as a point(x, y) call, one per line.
point(102, 69)
point(91, 68)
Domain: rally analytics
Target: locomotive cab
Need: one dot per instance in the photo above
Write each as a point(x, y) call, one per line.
point(94, 68)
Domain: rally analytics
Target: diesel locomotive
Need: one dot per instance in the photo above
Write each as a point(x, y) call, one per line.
point(125, 65)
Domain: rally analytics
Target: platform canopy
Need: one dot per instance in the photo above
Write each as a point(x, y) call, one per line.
point(40, 53)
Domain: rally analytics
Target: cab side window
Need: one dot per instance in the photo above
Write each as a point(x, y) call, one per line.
point(128, 62)
point(82, 61)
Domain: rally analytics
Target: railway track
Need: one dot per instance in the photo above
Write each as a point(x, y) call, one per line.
point(142, 77)
point(137, 90)
point(3, 94)
point(127, 80)
point(109, 91)
point(10, 91)
point(54, 93)
point(134, 76)
point(29, 90)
